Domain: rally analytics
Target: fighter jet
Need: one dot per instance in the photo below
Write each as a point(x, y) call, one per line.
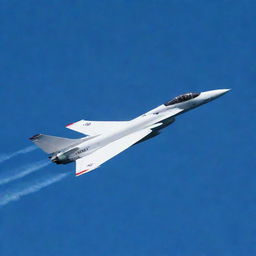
point(105, 139)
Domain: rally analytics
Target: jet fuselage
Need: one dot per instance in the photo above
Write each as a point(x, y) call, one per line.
point(156, 119)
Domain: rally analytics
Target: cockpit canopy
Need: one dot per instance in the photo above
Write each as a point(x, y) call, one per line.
point(182, 98)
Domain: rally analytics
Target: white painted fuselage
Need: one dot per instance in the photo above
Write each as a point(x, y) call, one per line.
point(155, 119)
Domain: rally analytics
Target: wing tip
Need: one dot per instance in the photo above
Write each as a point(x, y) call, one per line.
point(82, 172)
point(69, 124)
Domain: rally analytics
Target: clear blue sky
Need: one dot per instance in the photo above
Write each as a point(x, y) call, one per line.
point(188, 192)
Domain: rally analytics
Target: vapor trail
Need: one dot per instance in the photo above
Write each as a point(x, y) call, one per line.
point(15, 195)
point(23, 171)
point(5, 157)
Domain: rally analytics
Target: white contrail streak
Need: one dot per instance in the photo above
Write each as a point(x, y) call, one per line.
point(23, 171)
point(5, 157)
point(31, 188)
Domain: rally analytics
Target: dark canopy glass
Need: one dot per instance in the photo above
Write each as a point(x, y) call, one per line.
point(182, 98)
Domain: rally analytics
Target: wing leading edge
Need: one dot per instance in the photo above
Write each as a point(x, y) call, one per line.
point(94, 160)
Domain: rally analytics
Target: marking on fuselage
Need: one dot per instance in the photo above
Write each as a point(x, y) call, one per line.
point(82, 150)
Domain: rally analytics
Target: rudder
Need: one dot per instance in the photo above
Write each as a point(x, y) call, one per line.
point(52, 144)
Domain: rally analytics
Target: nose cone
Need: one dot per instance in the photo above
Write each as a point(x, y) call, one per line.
point(220, 92)
point(210, 95)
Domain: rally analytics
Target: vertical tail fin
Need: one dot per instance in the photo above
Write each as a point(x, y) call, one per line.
point(51, 144)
